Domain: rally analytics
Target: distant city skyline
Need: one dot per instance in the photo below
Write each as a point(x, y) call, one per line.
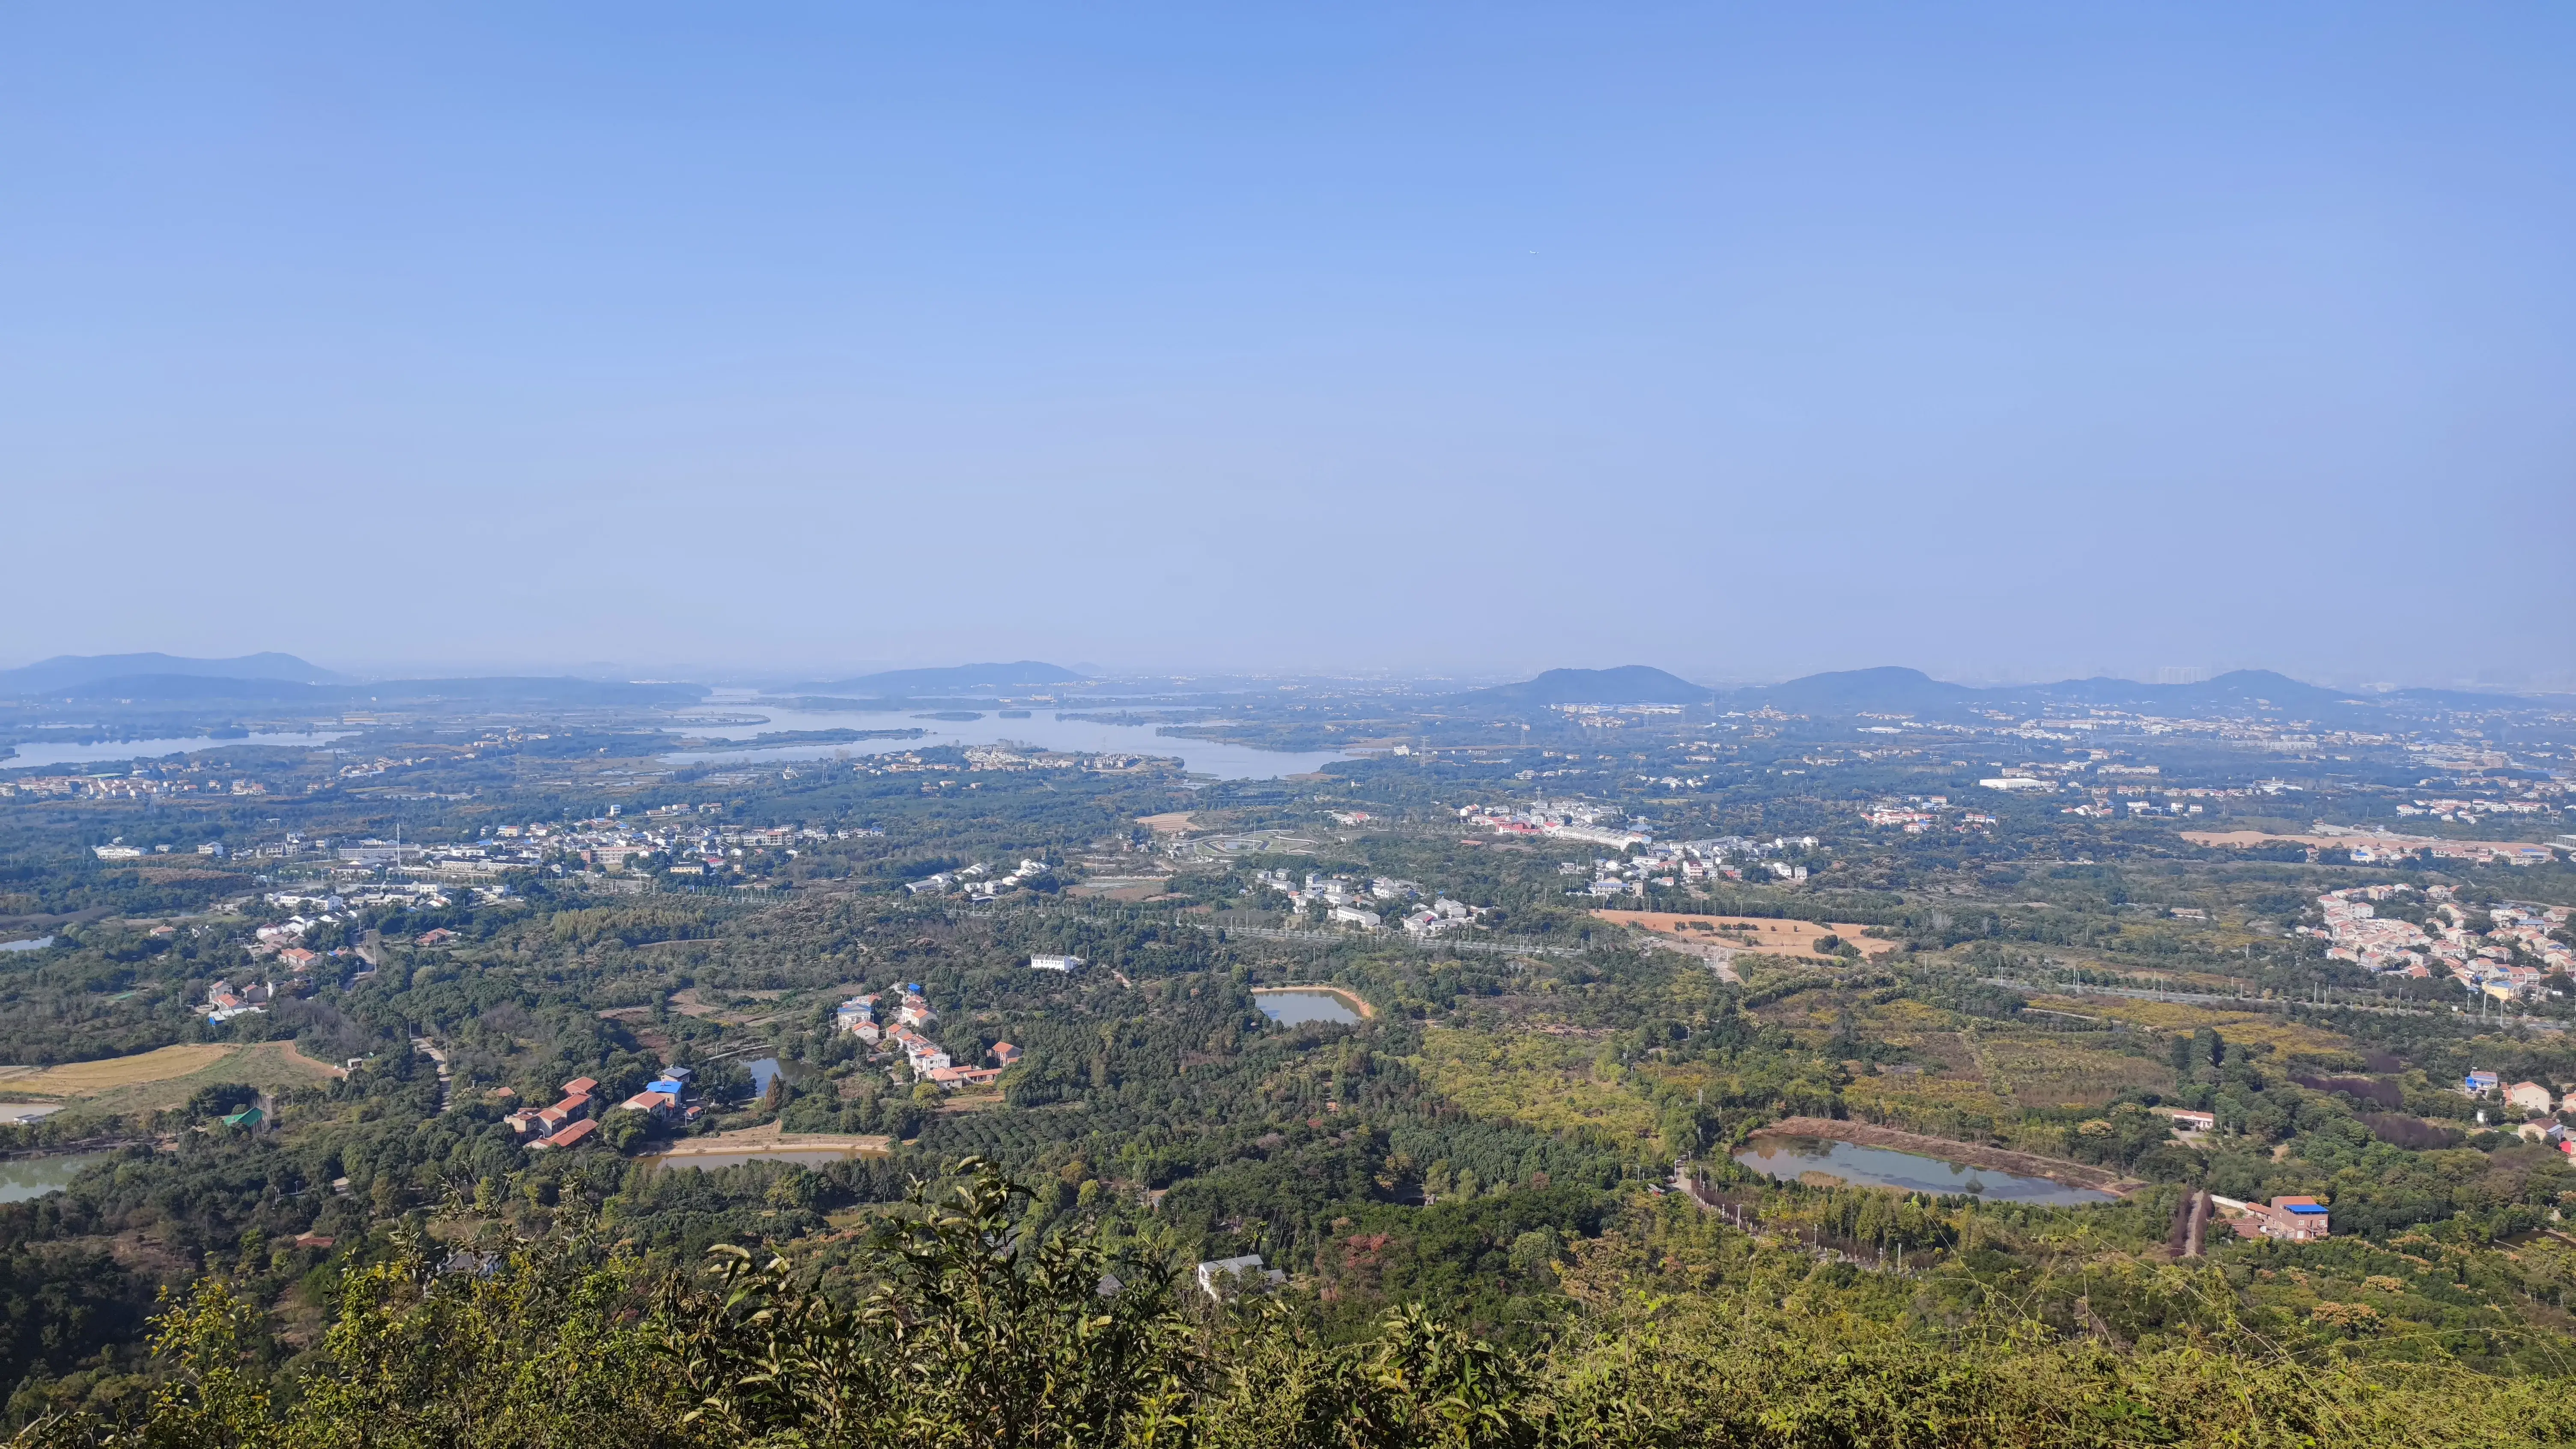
point(2005, 340)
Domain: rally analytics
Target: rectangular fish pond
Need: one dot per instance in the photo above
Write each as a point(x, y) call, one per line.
point(1793, 1159)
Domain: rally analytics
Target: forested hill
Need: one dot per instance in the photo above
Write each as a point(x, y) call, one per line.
point(978, 1334)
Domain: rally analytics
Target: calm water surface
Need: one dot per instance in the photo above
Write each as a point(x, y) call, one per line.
point(1041, 729)
point(1789, 1158)
point(28, 1177)
point(1296, 1008)
point(34, 754)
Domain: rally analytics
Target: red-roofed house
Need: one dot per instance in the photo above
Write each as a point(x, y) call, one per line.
point(657, 1105)
point(580, 1087)
point(572, 1136)
point(1005, 1053)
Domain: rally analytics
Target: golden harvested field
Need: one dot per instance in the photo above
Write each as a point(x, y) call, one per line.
point(168, 1077)
point(1786, 937)
point(88, 1079)
point(1544, 1081)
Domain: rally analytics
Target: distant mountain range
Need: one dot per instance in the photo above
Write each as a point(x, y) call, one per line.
point(67, 673)
point(1627, 684)
point(162, 679)
point(955, 679)
point(1892, 690)
point(189, 689)
point(1897, 690)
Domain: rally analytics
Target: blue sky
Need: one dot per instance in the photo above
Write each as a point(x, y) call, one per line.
point(1997, 340)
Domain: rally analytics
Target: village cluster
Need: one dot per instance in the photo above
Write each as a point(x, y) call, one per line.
point(1579, 821)
point(1689, 862)
point(2539, 1106)
point(2513, 957)
point(570, 1121)
point(1923, 814)
point(997, 758)
point(135, 784)
point(1349, 901)
point(908, 1035)
point(978, 880)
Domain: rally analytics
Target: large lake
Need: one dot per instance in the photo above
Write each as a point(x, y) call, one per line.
point(24, 1177)
point(1790, 1158)
point(1041, 728)
point(1296, 1008)
point(45, 753)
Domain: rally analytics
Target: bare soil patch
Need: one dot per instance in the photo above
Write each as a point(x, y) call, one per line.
point(1782, 937)
point(768, 1136)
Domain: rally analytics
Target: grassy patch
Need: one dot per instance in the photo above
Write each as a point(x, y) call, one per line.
point(2037, 1070)
point(1547, 1083)
point(89, 1079)
point(2250, 1027)
point(275, 1066)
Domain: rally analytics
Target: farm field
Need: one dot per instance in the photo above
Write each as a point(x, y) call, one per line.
point(166, 1078)
point(1788, 937)
point(2263, 1027)
point(88, 1079)
point(2040, 1069)
point(1543, 1081)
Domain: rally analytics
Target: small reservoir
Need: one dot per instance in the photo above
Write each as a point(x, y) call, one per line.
point(1296, 1008)
point(1791, 1158)
point(31, 1177)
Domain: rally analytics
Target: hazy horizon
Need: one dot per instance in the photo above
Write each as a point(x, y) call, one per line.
point(736, 676)
point(2006, 342)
